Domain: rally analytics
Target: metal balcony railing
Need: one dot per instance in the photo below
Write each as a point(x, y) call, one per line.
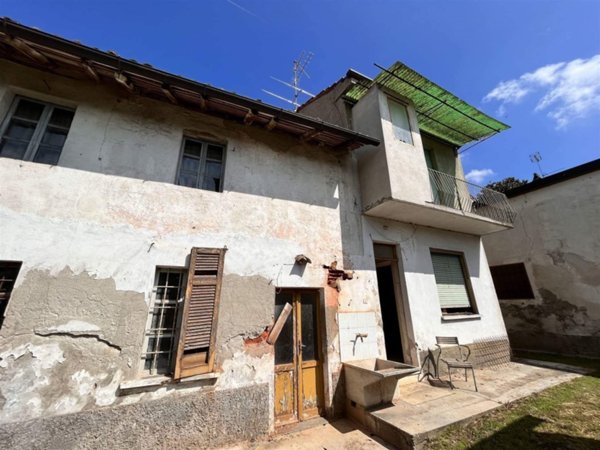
point(468, 197)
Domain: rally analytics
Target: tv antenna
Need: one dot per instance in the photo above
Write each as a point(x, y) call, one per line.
point(299, 69)
point(536, 158)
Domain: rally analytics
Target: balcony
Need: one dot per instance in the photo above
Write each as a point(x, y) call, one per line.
point(467, 197)
point(444, 202)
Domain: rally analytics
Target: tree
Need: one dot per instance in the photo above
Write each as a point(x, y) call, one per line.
point(506, 184)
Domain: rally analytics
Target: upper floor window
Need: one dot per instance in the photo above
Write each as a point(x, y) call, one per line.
point(400, 122)
point(35, 131)
point(201, 165)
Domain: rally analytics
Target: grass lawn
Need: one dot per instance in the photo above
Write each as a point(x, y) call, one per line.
point(566, 416)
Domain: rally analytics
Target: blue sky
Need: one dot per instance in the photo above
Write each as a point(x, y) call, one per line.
point(528, 63)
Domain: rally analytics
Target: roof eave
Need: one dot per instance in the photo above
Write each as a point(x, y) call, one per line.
point(308, 126)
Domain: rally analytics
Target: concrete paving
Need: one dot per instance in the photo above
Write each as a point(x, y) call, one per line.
point(420, 411)
point(424, 409)
point(318, 435)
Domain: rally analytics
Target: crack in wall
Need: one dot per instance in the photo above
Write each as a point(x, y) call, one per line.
point(78, 336)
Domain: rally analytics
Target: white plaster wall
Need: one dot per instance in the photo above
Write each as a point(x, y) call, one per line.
point(372, 165)
point(110, 210)
point(409, 177)
point(419, 287)
point(281, 198)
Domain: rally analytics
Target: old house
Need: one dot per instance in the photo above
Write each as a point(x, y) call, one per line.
point(547, 268)
point(154, 228)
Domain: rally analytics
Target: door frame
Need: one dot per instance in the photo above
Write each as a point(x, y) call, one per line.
point(402, 307)
point(297, 362)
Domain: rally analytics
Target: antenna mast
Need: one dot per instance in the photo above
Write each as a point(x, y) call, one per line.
point(299, 69)
point(536, 158)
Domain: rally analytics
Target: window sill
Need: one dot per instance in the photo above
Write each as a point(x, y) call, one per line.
point(459, 317)
point(153, 383)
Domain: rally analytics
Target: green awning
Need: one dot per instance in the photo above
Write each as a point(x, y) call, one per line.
point(439, 112)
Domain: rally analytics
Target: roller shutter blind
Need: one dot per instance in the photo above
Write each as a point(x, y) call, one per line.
point(450, 280)
point(195, 350)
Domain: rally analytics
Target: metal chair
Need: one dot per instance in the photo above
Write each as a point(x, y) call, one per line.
point(455, 363)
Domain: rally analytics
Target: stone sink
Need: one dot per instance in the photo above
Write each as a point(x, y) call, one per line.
point(372, 382)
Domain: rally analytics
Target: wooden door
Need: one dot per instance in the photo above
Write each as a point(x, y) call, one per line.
point(298, 359)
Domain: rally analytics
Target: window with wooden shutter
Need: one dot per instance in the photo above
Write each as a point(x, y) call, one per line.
point(511, 282)
point(195, 350)
point(452, 282)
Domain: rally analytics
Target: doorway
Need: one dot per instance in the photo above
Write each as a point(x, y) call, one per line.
point(298, 358)
point(388, 279)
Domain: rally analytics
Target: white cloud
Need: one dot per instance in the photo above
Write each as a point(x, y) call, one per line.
point(570, 90)
point(477, 176)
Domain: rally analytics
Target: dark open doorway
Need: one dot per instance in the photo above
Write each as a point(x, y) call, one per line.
point(387, 279)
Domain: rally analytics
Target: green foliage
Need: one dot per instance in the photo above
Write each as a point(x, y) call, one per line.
point(506, 184)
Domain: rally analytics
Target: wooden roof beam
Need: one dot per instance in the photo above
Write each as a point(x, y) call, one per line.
point(309, 135)
point(26, 49)
point(90, 71)
point(166, 90)
point(122, 79)
point(272, 124)
point(250, 117)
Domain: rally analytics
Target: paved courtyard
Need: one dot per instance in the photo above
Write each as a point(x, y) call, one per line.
point(422, 410)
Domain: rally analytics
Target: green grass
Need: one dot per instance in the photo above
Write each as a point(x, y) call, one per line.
point(566, 416)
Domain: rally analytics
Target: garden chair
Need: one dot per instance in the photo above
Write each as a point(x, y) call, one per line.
point(461, 362)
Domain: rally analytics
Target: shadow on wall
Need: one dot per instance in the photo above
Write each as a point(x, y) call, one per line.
point(522, 433)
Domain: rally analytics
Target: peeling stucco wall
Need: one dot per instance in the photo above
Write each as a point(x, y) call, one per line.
point(90, 243)
point(556, 237)
point(92, 230)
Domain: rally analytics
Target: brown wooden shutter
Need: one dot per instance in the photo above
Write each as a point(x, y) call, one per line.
point(195, 350)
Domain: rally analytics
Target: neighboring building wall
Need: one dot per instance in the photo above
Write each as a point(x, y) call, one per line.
point(556, 236)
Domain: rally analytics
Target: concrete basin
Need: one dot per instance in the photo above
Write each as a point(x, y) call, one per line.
point(372, 382)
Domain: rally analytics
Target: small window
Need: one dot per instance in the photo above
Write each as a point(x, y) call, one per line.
point(511, 282)
point(35, 131)
point(181, 330)
point(400, 122)
point(8, 275)
point(201, 165)
point(454, 290)
point(167, 295)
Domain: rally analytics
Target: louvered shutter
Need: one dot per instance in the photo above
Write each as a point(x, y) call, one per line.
point(195, 352)
point(450, 280)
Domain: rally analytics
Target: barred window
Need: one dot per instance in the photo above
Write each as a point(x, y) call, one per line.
point(161, 331)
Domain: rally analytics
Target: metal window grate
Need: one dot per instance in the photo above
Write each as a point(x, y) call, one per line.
point(162, 321)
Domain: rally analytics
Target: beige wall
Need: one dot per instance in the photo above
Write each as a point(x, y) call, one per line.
point(556, 237)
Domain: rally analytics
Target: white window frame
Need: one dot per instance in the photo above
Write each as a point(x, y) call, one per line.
point(472, 308)
point(392, 100)
point(42, 124)
point(174, 331)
